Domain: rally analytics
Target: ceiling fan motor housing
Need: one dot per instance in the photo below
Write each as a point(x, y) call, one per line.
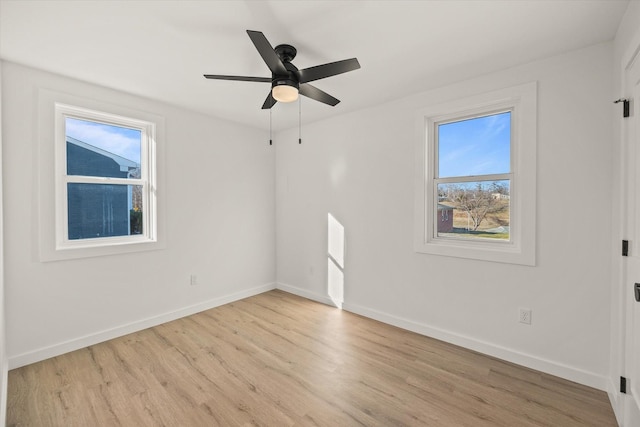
point(291, 79)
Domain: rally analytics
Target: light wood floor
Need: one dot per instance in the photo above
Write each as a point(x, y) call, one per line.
point(279, 360)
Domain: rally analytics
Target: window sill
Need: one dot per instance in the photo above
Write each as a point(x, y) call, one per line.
point(503, 252)
point(53, 254)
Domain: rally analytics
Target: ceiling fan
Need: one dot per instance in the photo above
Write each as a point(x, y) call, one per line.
point(286, 80)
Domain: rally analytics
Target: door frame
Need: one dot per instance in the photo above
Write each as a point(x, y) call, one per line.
point(627, 406)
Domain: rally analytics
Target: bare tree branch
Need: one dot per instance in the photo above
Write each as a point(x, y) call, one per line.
point(477, 201)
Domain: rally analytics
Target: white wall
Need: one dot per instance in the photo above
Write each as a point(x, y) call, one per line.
point(219, 224)
point(359, 167)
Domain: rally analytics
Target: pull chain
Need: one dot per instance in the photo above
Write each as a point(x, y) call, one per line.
point(299, 120)
point(270, 128)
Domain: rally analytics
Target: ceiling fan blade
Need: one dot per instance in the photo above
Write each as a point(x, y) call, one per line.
point(269, 102)
point(269, 55)
point(327, 70)
point(314, 93)
point(239, 78)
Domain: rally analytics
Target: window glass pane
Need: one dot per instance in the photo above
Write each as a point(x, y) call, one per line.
point(473, 210)
point(477, 146)
point(97, 149)
point(104, 210)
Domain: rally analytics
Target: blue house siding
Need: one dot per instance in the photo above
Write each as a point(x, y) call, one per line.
point(96, 210)
point(81, 161)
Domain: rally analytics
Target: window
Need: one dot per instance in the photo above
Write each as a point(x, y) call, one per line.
point(475, 180)
point(472, 176)
point(105, 187)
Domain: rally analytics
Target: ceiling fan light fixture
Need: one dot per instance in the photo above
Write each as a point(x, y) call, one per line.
point(285, 91)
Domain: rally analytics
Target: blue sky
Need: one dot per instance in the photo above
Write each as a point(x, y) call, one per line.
point(124, 142)
point(478, 146)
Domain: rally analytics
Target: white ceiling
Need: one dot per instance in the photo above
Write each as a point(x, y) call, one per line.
point(160, 49)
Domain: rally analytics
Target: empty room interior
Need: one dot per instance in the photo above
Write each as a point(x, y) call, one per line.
point(320, 213)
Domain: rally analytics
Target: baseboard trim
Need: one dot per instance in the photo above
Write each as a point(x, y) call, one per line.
point(87, 340)
point(550, 367)
point(304, 293)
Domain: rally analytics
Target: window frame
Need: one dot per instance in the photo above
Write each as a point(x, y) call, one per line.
point(147, 177)
point(520, 249)
point(433, 141)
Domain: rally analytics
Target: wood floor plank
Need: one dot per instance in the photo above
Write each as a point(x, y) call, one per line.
point(280, 360)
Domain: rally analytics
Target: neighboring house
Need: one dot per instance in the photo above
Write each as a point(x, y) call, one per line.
point(445, 218)
point(99, 210)
point(500, 196)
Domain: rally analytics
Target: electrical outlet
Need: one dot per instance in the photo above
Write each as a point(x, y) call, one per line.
point(525, 316)
point(193, 280)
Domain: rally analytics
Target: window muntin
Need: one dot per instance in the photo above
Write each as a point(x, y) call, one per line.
point(105, 181)
point(472, 176)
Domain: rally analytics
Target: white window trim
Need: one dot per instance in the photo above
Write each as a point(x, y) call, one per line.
point(520, 249)
point(52, 192)
point(147, 179)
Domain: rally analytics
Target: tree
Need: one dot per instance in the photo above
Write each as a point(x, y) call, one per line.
point(477, 200)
